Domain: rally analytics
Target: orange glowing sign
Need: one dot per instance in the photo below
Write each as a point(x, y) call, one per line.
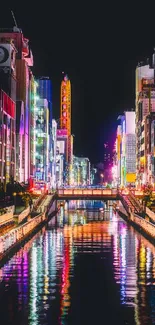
point(106, 192)
point(85, 192)
point(68, 192)
point(77, 192)
point(97, 192)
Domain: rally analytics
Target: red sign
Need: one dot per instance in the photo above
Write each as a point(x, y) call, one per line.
point(8, 104)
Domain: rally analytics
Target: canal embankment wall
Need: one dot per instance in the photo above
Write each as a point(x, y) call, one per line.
point(13, 239)
point(142, 225)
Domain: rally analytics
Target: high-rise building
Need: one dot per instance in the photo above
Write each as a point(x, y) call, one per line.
point(62, 151)
point(7, 138)
point(126, 149)
point(15, 49)
point(20, 167)
point(54, 153)
point(33, 97)
point(107, 163)
point(42, 142)
point(118, 153)
point(81, 171)
point(65, 124)
point(93, 172)
point(8, 52)
point(45, 92)
point(65, 105)
point(107, 156)
point(145, 117)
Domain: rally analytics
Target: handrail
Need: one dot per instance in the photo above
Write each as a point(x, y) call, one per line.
point(135, 200)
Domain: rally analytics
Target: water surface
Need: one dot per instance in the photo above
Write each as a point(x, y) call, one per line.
point(86, 267)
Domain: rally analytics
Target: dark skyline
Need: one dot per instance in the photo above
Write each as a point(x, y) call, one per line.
point(99, 50)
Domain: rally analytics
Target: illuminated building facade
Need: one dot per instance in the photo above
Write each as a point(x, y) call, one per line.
point(7, 138)
point(54, 153)
point(32, 132)
point(18, 75)
point(65, 124)
point(145, 117)
point(126, 149)
point(107, 156)
point(45, 91)
point(8, 52)
point(107, 162)
point(42, 141)
point(70, 172)
point(59, 169)
point(19, 141)
point(81, 167)
point(117, 178)
point(114, 166)
point(93, 172)
point(61, 157)
point(65, 106)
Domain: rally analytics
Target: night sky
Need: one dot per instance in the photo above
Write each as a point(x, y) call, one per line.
point(98, 44)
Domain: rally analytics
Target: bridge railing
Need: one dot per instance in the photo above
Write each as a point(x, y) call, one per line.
point(85, 192)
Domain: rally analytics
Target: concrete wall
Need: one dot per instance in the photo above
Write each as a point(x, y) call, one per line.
point(14, 236)
point(8, 216)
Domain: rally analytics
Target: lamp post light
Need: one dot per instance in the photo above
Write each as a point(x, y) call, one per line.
point(14, 195)
point(102, 176)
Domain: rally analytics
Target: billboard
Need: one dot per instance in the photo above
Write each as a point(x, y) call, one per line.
point(130, 122)
point(61, 132)
point(61, 147)
point(6, 55)
point(7, 104)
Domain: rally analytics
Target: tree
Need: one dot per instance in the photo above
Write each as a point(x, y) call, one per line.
point(2, 192)
point(26, 198)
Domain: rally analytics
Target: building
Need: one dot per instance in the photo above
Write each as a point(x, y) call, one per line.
point(42, 142)
point(33, 97)
point(53, 157)
point(8, 53)
point(45, 92)
point(65, 105)
point(7, 138)
point(65, 124)
point(19, 141)
point(107, 156)
point(126, 150)
point(15, 81)
point(117, 171)
point(62, 147)
point(81, 171)
point(59, 169)
point(107, 163)
point(93, 172)
point(145, 117)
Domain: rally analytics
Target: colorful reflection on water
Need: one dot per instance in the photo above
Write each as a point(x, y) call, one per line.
point(86, 267)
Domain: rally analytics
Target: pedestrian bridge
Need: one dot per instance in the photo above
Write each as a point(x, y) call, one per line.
point(87, 194)
point(92, 194)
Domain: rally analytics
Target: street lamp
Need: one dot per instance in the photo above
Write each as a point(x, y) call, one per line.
point(14, 195)
point(101, 175)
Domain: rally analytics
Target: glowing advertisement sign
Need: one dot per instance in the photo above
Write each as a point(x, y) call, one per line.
point(61, 133)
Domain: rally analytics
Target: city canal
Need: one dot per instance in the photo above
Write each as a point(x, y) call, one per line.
point(88, 266)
